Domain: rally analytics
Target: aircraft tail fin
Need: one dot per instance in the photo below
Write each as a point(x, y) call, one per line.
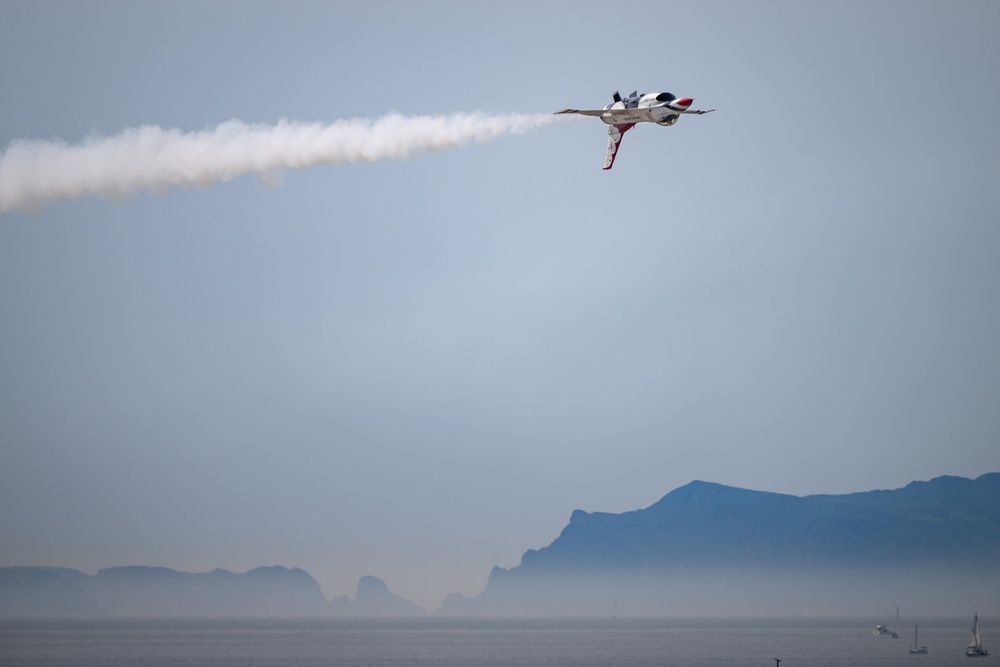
point(615, 133)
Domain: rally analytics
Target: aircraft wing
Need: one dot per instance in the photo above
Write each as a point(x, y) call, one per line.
point(629, 115)
point(615, 115)
point(584, 112)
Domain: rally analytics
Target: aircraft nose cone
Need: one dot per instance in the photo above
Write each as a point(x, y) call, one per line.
point(684, 102)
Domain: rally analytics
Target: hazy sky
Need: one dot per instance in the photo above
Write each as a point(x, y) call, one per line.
point(417, 369)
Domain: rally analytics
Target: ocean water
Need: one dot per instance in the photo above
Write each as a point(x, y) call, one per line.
point(481, 642)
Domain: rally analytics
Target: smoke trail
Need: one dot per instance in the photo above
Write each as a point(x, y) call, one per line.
point(154, 158)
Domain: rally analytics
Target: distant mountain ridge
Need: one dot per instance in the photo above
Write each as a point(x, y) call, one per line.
point(374, 599)
point(702, 549)
point(157, 591)
point(703, 543)
point(949, 521)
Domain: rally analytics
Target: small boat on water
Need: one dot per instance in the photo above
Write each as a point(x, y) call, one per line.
point(921, 650)
point(884, 629)
point(976, 648)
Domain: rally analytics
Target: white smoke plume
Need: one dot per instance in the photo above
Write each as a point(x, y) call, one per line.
point(153, 158)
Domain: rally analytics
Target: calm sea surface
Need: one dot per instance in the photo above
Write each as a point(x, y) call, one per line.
point(454, 642)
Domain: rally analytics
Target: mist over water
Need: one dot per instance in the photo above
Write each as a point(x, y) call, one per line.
point(157, 159)
point(455, 642)
point(727, 593)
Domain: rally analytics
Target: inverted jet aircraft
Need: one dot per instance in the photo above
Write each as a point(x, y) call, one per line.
point(622, 115)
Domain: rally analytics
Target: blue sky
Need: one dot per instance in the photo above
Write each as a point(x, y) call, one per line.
point(418, 368)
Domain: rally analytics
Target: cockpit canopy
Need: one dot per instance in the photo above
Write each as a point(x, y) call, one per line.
point(665, 97)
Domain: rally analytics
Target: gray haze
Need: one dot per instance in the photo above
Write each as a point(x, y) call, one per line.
point(740, 593)
point(417, 369)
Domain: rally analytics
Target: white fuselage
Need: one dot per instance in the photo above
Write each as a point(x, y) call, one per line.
point(647, 110)
point(664, 109)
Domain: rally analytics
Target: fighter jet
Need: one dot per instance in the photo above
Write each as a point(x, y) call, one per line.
point(622, 115)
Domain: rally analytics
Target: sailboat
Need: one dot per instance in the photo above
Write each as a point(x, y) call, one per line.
point(976, 649)
point(884, 629)
point(917, 649)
